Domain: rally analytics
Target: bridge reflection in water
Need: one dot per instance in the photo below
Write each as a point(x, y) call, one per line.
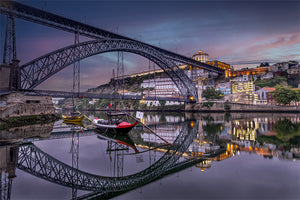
point(29, 158)
point(195, 143)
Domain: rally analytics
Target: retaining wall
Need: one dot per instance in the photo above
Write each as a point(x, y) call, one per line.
point(18, 105)
point(238, 107)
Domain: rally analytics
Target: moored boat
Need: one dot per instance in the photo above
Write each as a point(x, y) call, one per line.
point(72, 118)
point(118, 128)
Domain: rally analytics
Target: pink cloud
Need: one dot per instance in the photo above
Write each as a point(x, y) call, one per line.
point(273, 42)
point(271, 47)
point(29, 49)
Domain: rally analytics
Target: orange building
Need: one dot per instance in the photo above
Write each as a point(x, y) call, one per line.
point(203, 57)
point(251, 71)
point(222, 65)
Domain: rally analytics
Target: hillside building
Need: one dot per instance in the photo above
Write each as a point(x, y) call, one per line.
point(285, 66)
point(263, 96)
point(160, 87)
point(225, 88)
point(252, 71)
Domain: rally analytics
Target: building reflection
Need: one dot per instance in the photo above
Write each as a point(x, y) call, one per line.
point(236, 136)
point(204, 165)
point(10, 139)
point(244, 132)
point(213, 140)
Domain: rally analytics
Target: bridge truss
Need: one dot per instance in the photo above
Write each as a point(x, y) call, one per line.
point(38, 70)
point(49, 19)
point(55, 61)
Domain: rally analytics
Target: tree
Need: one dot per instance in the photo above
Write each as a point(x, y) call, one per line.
point(212, 93)
point(162, 104)
point(207, 105)
point(284, 95)
point(270, 82)
point(265, 64)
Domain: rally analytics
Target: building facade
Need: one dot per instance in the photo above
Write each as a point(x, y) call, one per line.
point(225, 88)
point(263, 96)
point(201, 57)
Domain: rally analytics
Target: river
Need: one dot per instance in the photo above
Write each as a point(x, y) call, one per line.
point(213, 156)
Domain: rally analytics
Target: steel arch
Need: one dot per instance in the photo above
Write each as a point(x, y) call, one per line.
point(38, 163)
point(40, 69)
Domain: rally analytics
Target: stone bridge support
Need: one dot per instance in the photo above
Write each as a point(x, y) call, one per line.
point(10, 76)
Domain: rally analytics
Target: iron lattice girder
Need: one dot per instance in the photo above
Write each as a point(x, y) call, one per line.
point(39, 16)
point(64, 94)
point(49, 19)
point(34, 161)
point(38, 70)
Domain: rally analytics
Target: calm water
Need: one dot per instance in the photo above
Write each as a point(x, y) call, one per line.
point(213, 156)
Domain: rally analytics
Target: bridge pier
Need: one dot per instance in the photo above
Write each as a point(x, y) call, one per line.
point(10, 78)
point(8, 163)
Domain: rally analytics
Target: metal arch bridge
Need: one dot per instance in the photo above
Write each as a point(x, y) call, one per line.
point(34, 161)
point(40, 69)
point(63, 94)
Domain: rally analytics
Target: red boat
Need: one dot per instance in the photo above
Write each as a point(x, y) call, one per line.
point(121, 128)
point(114, 124)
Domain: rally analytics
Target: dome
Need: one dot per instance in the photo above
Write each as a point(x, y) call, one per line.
point(200, 53)
point(201, 56)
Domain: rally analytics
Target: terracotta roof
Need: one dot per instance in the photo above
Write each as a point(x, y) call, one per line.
point(270, 89)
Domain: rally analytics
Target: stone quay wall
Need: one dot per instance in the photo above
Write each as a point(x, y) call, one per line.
point(18, 105)
point(239, 107)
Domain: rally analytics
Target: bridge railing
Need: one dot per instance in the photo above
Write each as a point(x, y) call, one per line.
point(98, 96)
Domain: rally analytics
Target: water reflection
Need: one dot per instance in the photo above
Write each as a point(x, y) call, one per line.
point(198, 142)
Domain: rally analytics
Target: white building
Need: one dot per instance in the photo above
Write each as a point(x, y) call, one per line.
point(161, 87)
point(201, 57)
point(168, 133)
point(56, 100)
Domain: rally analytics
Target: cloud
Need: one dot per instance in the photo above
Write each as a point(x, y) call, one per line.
point(268, 48)
point(231, 31)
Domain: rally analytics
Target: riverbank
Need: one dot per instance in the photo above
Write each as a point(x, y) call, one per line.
point(27, 120)
point(239, 107)
point(17, 109)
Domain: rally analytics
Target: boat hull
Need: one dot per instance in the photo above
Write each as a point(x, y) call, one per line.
point(72, 119)
point(114, 128)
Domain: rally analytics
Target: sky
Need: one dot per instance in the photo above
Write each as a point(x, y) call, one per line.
point(241, 33)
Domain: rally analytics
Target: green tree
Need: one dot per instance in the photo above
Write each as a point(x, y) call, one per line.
point(270, 82)
point(284, 95)
point(212, 93)
point(212, 129)
point(162, 104)
point(207, 105)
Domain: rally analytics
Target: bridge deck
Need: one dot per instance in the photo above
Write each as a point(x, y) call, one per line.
point(97, 96)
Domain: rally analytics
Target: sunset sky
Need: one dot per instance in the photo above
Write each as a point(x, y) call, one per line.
point(241, 33)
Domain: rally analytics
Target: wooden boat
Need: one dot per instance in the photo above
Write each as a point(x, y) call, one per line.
point(115, 123)
point(118, 128)
point(72, 118)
